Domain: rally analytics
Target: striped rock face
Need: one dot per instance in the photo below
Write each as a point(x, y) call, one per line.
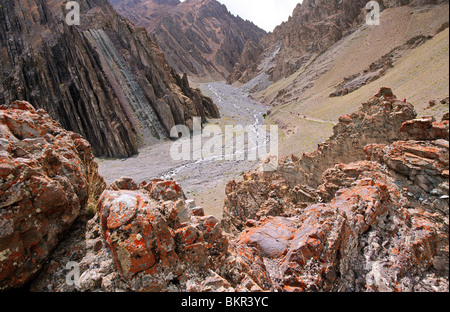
point(43, 187)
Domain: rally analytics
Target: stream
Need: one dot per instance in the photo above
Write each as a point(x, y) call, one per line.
point(202, 179)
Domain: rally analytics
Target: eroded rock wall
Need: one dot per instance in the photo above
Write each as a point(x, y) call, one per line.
point(104, 79)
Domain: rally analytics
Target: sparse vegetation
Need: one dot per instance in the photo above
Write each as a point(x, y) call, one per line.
point(96, 185)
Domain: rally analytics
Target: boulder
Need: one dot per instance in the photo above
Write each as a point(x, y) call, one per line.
point(45, 181)
point(155, 240)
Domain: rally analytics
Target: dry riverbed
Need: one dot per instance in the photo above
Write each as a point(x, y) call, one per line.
point(203, 180)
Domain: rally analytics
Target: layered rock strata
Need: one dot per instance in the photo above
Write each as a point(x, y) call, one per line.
point(199, 37)
point(104, 79)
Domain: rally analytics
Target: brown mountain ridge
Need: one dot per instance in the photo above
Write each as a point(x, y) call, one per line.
point(199, 37)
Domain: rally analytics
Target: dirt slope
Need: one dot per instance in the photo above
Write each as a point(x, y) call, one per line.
point(418, 74)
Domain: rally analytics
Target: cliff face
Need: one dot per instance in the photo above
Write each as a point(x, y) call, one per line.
point(314, 26)
point(105, 79)
point(198, 37)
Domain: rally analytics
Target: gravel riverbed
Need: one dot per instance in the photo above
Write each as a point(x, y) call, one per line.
point(204, 179)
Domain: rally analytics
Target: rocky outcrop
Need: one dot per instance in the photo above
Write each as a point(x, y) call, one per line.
point(155, 239)
point(367, 238)
point(47, 177)
point(376, 223)
point(147, 238)
point(199, 37)
point(104, 79)
point(378, 121)
point(426, 128)
point(83, 252)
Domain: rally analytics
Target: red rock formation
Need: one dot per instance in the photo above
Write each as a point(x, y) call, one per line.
point(379, 224)
point(376, 223)
point(146, 238)
point(426, 128)
point(366, 239)
point(296, 179)
point(154, 238)
point(45, 175)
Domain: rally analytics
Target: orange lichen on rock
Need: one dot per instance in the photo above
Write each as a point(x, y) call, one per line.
point(153, 236)
point(373, 219)
point(43, 187)
point(367, 211)
point(426, 128)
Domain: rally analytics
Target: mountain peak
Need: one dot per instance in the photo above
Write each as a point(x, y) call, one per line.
point(199, 37)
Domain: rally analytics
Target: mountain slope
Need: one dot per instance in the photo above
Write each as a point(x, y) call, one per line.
point(145, 13)
point(315, 25)
point(199, 37)
point(408, 51)
point(105, 79)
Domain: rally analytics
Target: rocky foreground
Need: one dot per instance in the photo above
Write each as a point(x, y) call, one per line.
point(367, 211)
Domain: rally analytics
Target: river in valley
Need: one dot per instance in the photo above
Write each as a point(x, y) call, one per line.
point(203, 179)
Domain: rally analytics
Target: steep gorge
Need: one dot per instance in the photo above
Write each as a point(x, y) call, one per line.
point(104, 79)
point(366, 211)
